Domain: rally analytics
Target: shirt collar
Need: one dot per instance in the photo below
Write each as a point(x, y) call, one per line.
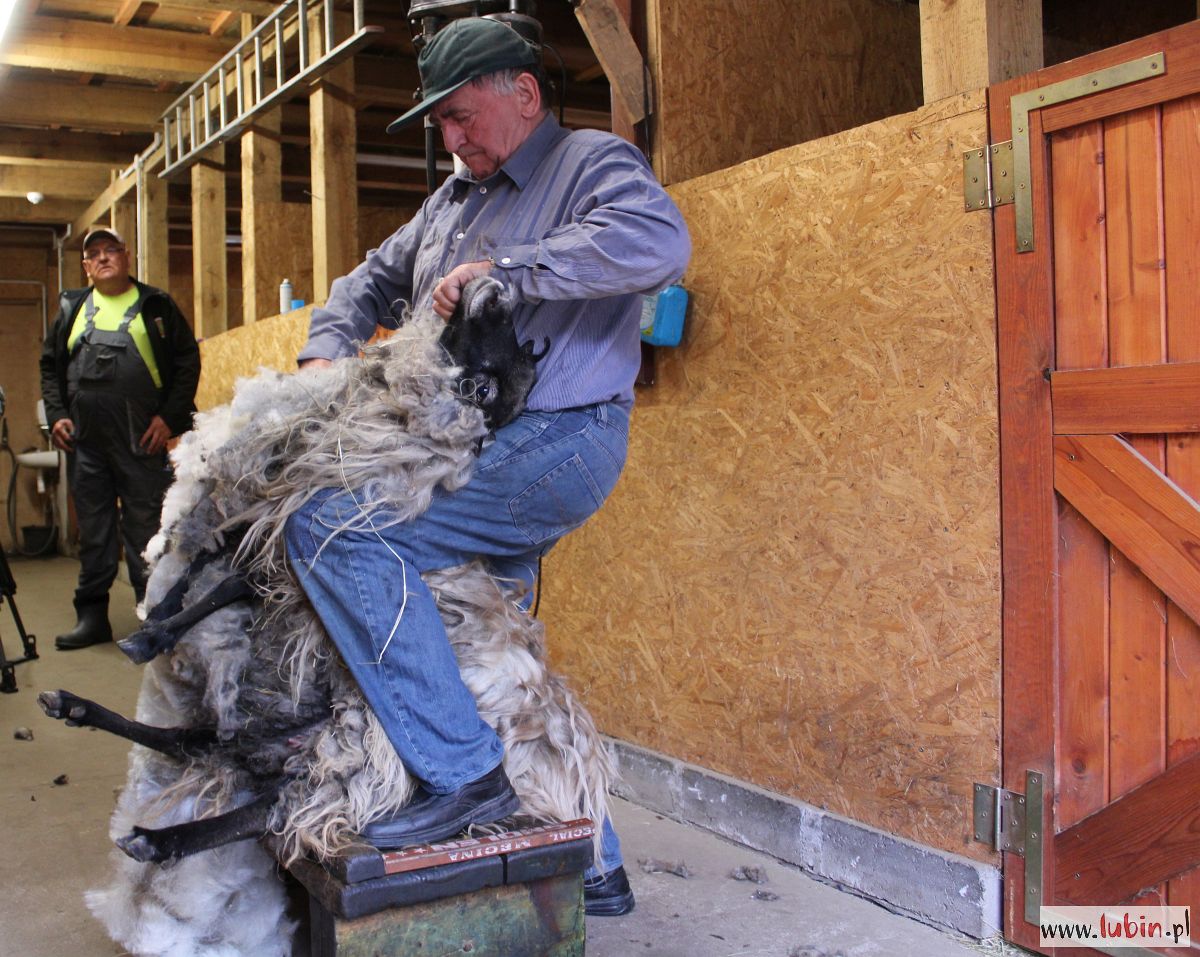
point(525, 160)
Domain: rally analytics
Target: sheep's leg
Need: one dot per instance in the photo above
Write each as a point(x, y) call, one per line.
point(157, 636)
point(181, 840)
point(82, 713)
point(172, 601)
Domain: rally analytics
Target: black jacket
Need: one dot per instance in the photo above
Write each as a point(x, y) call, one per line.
point(175, 352)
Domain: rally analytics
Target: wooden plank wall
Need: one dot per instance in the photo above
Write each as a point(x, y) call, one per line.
point(736, 80)
point(796, 582)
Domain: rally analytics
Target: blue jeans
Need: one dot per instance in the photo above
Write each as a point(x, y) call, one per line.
point(542, 476)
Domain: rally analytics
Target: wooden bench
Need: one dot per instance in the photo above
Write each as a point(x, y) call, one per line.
point(514, 894)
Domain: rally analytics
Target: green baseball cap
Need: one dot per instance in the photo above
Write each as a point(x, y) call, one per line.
point(457, 54)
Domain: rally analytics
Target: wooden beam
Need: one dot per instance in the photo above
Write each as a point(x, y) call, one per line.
point(262, 194)
point(258, 7)
point(608, 33)
point(156, 268)
point(1143, 399)
point(107, 109)
point(53, 211)
point(123, 218)
point(1142, 839)
point(59, 182)
point(99, 209)
point(143, 53)
point(221, 23)
point(126, 12)
point(334, 178)
point(210, 313)
point(975, 43)
point(81, 150)
point(1135, 507)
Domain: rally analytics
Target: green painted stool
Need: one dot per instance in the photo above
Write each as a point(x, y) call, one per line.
point(515, 894)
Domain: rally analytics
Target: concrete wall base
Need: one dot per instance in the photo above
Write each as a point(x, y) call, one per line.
point(930, 885)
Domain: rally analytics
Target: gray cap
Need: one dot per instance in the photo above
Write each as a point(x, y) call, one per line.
point(466, 49)
point(99, 232)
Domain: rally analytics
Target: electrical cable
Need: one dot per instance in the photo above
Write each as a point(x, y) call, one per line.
point(562, 92)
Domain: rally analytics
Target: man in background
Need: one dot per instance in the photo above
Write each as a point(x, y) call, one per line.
point(119, 374)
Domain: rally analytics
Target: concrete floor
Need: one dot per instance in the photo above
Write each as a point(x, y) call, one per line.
point(56, 845)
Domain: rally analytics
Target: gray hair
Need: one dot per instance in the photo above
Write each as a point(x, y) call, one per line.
point(504, 81)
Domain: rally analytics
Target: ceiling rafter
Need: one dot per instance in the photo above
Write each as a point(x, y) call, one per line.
point(143, 53)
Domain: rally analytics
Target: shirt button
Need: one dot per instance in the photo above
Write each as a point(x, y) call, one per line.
point(459, 235)
point(506, 260)
point(482, 190)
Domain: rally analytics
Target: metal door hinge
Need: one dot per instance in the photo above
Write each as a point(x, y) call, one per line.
point(988, 176)
point(1000, 818)
point(1009, 821)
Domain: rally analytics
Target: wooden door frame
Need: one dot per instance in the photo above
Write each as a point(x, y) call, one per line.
point(1026, 355)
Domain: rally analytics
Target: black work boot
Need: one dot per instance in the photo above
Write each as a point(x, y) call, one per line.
point(608, 895)
point(92, 628)
point(435, 817)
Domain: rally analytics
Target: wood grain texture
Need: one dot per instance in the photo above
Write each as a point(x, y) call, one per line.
point(1136, 309)
point(733, 83)
point(1081, 340)
point(1142, 399)
point(1150, 521)
point(797, 580)
point(1144, 838)
point(1181, 215)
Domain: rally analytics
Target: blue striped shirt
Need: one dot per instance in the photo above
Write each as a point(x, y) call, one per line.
point(574, 221)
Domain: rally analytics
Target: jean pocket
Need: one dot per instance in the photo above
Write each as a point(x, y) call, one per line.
point(563, 499)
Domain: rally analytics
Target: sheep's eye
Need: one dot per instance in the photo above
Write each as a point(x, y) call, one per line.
point(482, 393)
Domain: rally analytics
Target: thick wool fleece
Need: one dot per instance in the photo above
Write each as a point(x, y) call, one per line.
point(390, 427)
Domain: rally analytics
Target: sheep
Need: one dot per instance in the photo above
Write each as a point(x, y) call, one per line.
point(248, 721)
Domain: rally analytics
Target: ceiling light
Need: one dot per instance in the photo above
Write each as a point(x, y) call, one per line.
point(34, 196)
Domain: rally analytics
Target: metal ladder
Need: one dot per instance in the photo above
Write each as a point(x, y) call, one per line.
point(263, 70)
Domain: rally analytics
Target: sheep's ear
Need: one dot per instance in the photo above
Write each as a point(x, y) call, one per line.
point(527, 349)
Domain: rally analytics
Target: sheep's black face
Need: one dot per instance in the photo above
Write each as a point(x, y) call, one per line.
point(497, 373)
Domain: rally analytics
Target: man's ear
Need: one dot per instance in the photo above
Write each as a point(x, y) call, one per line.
point(529, 95)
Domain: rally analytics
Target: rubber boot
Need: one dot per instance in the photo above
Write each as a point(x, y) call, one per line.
point(92, 628)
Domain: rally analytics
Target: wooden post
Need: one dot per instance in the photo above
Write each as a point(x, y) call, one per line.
point(975, 43)
point(210, 310)
point(157, 268)
point(334, 178)
point(123, 218)
point(261, 198)
point(262, 193)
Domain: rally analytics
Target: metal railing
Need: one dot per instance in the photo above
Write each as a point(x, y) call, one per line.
point(296, 44)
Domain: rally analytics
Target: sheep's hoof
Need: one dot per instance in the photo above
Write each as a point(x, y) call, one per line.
point(140, 847)
point(63, 705)
point(139, 647)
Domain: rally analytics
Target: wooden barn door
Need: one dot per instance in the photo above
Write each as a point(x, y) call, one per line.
point(1099, 358)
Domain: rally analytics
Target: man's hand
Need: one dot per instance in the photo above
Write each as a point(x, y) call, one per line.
point(62, 435)
point(449, 290)
point(315, 363)
point(155, 438)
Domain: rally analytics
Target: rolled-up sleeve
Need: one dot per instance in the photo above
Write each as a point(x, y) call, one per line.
point(372, 295)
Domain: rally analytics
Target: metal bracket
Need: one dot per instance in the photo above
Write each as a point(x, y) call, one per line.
point(988, 176)
point(1012, 822)
point(1023, 103)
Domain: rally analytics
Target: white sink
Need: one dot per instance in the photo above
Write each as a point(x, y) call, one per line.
point(38, 460)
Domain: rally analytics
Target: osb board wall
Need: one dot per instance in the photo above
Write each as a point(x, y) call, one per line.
point(274, 342)
point(270, 343)
point(796, 582)
point(737, 80)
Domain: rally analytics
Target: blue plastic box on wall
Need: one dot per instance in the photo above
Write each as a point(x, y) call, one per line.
point(662, 316)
